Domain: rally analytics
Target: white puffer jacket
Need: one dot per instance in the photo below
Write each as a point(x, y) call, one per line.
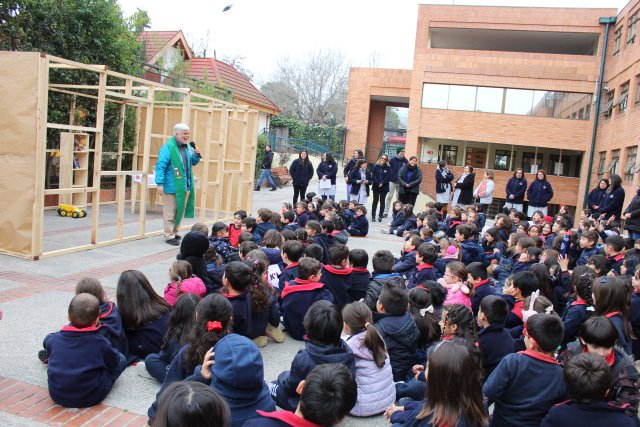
point(376, 389)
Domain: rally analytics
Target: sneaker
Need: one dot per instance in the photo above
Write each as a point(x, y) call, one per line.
point(141, 369)
point(383, 231)
point(261, 341)
point(373, 219)
point(275, 334)
point(173, 242)
point(273, 189)
point(42, 355)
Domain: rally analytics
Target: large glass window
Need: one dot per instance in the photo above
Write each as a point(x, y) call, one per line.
point(462, 98)
point(637, 90)
point(450, 154)
point(630, 166)
point(624, 96)
point(489, 99)
point(602, 162)
point(435, 96)
point(501, 161)
point(518, 101)
point(558, 167)
point(615, 161)
point(617, 38)
point(633, 26)
point(531, 162)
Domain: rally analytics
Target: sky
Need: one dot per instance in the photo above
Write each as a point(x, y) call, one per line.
point(367, 32)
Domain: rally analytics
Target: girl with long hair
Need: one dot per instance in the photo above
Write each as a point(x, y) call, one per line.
point(301, 171)
point(612, 299)
point(381, 175)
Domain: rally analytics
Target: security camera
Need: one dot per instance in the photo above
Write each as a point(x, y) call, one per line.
point(606, 89)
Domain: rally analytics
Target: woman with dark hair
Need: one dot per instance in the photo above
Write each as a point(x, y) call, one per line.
point(614, 199)
point(632, 217)
point(351, 165)
point(463, 194)
point(327, 171)
point(409, 178)
point(516, 189)
point(539, 194)
point(144, 314)
point(301, 170)
point(443, 184)
point(381, 175)
point(597, 195)
point(360, 180)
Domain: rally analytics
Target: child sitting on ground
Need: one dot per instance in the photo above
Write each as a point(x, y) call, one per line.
point(495, 341)
point(426, 256)
point(249, 225)
point(580, 305)
point(478, 279)
point(525, 385)
point(183, 282)
point(382, 275)
point(319, 237)
point(292, 251)
point(83, 365)
point(219, 240)
point(337, 276)
point(265, 222)
point(612, 248)
point(455, 280)
point(612, 300)
point(301, 214)
point(326, 397)
point(288, 219)
point(323, 325)
point(358, 261)
point(587, 377)
point(517, 288)
point(407, 260)
point(359, 225)
point(588, 242)
point(398, 329)
point(300, 294)
point(235, 228)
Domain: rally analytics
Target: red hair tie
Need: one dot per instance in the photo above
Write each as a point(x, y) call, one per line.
point(214, 326)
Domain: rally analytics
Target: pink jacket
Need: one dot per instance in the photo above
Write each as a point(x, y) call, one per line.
point(455, 294)
point(192, 285)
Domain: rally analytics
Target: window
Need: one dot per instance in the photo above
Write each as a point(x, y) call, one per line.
point(556, 167)
point(435, 96)
point(630, 166)
point(633, 23)
point(624, 95)
point(450, 154)
point(613, 164)
point(518, 101)
point(489, 99)
point(602, 162)
point(608, 106)
point(462, 98)
point(617, 39)
point(501, 161)
point(637, 90)
point(531, 162)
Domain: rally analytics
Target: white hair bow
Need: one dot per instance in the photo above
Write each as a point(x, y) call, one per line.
point(424, 311)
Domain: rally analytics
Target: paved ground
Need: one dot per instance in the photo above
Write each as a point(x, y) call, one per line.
point(34, 296)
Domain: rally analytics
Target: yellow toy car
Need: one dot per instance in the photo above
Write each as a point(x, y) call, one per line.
point(70, 210)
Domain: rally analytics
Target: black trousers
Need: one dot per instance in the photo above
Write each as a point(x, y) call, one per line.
point(378, 196)
point(298, 190)
point(408, 198)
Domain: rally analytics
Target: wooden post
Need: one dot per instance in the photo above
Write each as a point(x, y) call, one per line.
point(145, 159)
point(37, 229)
point(97, 158)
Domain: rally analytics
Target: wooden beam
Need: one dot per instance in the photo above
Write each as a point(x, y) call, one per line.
point(76, 128)
point(37, 212)
point(97, 157)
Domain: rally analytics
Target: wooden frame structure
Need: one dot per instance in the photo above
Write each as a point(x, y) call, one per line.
point(226, 135)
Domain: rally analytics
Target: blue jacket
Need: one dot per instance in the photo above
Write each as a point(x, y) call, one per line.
point(624, 342)
point(338, 281)
point(616, 263)
point(308, 358)
point(176, 371)
point(495, 343)
point(595, 414)
point(221, 246)
point(400, 335)
point(111, 327)
point(325, 241)
point(297, 297)
point(524, 386)
point(164, 171)
point(573, 316)
point(516, 188)
point(359, 283)
point(405, 263)
point(263, 227)
point(328, 169)
point(612, 203)
point(349, 167)
point(442, 179)
point(397, 219)
point(300, 173)
point(396, 163)
point(83, 365)
point(288, 274)
point(301, 219)
point(585, 255)
point(472, 251)
point(420, 274)
point(381, 174)
point(634, 318)
point(249, 324)
point(359, 226)
point(409, 224)
point(539, 193)
point(595, 198)
point(354, 177)
point(147, 339)
point(410, 420)
point(480, 290)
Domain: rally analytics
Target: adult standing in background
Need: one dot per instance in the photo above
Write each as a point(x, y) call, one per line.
point(381, 175)
point(351, 165)
point(396, 164)
point(443, 184)
point(597, 195)
point(484, 192)
point(539, 194)
point(614, 199)
point(174, 178)
point(265, 169)
point(409, 178)
point(301, 170)
point(360, 180)
point(463, 194)
point(327, 171)
point(516, 189)
point(632, 217)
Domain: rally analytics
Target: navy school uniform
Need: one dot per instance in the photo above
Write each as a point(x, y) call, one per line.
point(83, 365)
point(400, 335)
point(247, 323)
point(480, 290)
point(441, 265)
point(359, 226)
point(595, 414)
point(297, 297)
point(616, 262)
point(573, 316)
point(635, 323)
point(175, 372)
point(585, 255)
point(338, 281)
point(420, 274)
point(495, 343)
point(623, 341)
point(524, 386)
point(111, 327)
point(359, 283)
point(325, 241)
point(302, 218)
point(514, 318)
point(472, 251)
point(405, 263)
point(289, 273)
point(147, 339)
point(279, 419)
point(408, 418)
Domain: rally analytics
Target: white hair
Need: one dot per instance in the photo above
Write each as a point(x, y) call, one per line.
point(180, 127)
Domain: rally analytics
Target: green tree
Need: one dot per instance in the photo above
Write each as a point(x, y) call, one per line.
point(391, 118)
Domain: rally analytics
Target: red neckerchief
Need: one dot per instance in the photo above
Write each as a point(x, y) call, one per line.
point(359, 270)
point(578, 302)
point(610, 358)
point(229, 296)
point(539, 356)
point(337, 270)
point(293, 264)
point(480, 283)
point(308, 286)
point(288, 418)
point(617, 257)
point(610, 315)
point(69, 328)
point(423, 266)
point(108, 312)
point(517, 309)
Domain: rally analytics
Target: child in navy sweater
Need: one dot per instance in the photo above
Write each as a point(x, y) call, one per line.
point(479, 279)
point(612, 248)
point(323, 323)
point(326, 396)
point(337, 276)
point(587, 378)
point(301, 214)
point(359, 225)
point(292, 251)
point(588, 241)
point(495, 341)
point(407, 260)
point(300, 294)
point(426, 256)
point(358, 261)
point(580, 304)
point(526, 384)
point(611, 300)
point(83, 365)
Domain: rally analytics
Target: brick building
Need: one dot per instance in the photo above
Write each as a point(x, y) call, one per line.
point(506, 87)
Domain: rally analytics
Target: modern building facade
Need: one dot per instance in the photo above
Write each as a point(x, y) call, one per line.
point(503, 88)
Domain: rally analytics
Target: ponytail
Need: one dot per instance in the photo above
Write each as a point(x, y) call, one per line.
point(359, 317)
point(258, 291)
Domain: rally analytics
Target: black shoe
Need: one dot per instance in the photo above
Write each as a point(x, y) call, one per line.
point(256, 189)
point(273, 189)
point(385, 216)
point(373, 219)
point(178, 237)
point(173, 242)
point(42, 355)
point(380, 219)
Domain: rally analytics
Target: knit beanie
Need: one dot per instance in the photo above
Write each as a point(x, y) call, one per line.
point(399, 149)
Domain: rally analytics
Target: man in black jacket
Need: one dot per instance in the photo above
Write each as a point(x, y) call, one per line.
point(265, 169)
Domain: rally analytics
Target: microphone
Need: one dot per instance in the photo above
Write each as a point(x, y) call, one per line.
point(193, 145)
